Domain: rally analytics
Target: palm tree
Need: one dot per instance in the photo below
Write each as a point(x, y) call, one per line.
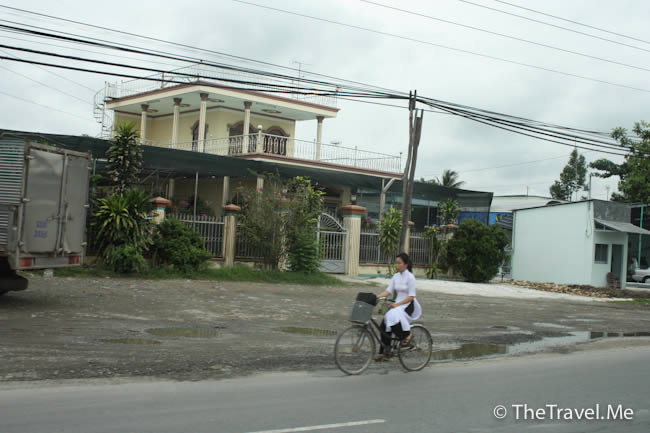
point(449, 179)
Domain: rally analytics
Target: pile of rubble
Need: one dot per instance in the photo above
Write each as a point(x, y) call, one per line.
point(581, 290)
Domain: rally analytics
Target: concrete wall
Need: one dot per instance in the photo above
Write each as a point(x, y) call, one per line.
point(554, 244)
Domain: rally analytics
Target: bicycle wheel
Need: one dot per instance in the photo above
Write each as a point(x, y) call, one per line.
point(354, 349)
point(417, 354)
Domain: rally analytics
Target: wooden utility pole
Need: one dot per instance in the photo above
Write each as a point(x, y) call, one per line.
point(415, 131)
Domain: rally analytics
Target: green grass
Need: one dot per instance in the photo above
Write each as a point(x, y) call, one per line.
point(236, 273)
point(642, 301)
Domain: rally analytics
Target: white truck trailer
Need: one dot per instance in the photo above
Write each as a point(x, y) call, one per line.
point(43, 205)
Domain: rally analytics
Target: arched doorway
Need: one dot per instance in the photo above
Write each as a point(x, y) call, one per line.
point(236, 140)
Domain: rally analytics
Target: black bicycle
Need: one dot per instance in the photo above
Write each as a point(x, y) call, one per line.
point(355, 347)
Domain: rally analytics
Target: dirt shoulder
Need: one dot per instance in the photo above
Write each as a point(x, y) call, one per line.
point(78, 328)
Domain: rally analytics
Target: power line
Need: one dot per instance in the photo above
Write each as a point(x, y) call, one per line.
point(138, 77)
point(279, 88)
point(573, 22)
point(45, 106)
point(517, 131)
point(87, 51)
point(60, 76)
point(130, 48)
point(291, 89)
point(43, 84)
point(503, 35)
point(393, 93)
point(185, 46)
point(286, 89)
point(554, 25)
point(197, 49)
point(516, 164)
point(420, 41)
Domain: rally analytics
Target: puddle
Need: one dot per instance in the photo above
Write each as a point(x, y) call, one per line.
point(480, 350)
point(307, 331)
point(550, 325)
point(469, 351)
point(130, 341)
point(185, 332)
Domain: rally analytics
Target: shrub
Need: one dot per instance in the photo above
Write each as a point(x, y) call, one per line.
point(390, 227)
point(180, 246)
point(124, 157)
point(304, 255)
point(449, 211)
point(281, 221)
point(304, 207)
point(477, 250)
point(124, 260)
point(121, 221)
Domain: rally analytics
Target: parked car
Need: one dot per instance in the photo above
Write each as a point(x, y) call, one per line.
point(638, 274)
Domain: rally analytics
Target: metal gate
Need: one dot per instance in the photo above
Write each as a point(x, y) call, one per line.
point(332, 239)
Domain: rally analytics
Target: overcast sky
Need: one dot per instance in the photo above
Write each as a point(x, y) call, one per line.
point(447, 142)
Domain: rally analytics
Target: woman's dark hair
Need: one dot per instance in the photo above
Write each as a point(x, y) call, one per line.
point(405, 258)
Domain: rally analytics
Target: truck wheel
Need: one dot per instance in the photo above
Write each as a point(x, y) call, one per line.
point(646, 280)
point(12, 283)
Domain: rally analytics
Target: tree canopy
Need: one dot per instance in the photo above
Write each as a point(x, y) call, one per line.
point(634, 172)
point(572, 178)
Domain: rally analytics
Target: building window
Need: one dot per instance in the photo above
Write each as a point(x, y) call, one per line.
point(602, 251)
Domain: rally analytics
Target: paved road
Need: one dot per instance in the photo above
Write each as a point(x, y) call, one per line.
point(451, 397)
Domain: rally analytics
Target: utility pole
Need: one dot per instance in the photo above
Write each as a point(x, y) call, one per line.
point(415, 131)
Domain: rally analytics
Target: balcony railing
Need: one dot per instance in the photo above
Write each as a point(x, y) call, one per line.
point(290, 148)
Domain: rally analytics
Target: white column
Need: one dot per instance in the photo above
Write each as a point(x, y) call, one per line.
point(202, 113)
point(352, 223)
point(230, 213)
point(260, 140)
point(177, 116)
point(226, 190)
point(143, 123)
point(319, 135)
point(247, 125)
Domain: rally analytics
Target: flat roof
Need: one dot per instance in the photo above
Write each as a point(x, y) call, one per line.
point(161, 102)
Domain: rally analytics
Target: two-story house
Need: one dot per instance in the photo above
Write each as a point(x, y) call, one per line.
point(209, 117)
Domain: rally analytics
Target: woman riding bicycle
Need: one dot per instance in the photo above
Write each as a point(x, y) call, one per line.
point(404, 310)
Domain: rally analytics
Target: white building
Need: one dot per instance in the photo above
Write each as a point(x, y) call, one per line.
point(572, 243)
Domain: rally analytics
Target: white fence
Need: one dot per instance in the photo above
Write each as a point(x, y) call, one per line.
point(210, 229)
point(370, 253)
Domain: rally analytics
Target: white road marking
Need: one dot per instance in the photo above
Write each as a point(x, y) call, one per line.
point(324, 426)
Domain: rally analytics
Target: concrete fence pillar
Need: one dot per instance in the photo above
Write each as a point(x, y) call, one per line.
point(230, 213)
point(352, 223)
point(159, 207)
point(407, 241)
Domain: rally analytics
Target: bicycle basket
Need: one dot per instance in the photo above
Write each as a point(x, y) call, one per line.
point(361, 312)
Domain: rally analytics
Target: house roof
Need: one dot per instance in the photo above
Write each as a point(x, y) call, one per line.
point(509, 203)
point(623, 227)
point(161, 102)
point(187, 163)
